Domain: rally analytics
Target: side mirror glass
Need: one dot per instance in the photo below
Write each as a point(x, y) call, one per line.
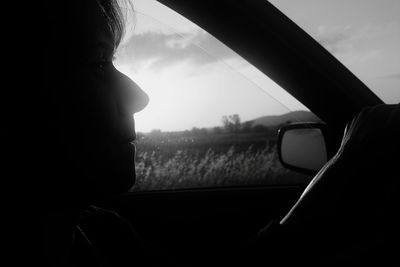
point(302, 147)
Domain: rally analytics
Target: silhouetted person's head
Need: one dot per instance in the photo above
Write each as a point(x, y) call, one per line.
point(83, 109)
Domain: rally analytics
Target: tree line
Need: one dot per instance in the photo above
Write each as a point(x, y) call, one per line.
point(231, 124)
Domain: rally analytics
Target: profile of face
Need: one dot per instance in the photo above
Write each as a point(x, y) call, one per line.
point(95, 108)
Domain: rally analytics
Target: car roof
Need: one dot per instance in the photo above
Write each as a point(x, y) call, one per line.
point(264, 36)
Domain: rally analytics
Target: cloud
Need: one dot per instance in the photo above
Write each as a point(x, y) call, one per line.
point(394, 76)
point(161, 50)
point(336, 39)
point(348, 40)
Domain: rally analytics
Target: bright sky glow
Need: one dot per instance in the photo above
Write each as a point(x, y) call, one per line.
point(193, 79)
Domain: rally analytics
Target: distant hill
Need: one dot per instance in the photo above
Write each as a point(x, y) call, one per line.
point(266, 121)
point(295, 116)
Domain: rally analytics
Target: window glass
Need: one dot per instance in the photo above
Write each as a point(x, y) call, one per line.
point(212, 119)
point(363, 34)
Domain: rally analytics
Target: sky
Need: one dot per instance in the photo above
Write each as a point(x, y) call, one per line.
point(363, 34)
point(193, 79)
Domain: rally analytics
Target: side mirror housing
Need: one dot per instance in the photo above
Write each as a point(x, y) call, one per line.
point(303, 147)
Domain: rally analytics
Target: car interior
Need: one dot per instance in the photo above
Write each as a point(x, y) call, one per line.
point(350, 201)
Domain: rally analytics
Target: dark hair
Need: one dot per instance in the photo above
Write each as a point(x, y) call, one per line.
point(62, 22)
point(112, 10)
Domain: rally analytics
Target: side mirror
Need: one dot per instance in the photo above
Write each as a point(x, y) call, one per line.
point(303, 147)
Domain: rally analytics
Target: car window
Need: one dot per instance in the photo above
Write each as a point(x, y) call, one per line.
point(364, 35)
point(213, 117)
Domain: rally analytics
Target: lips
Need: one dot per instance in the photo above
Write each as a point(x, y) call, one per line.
point(131, 139)
point(132, 145)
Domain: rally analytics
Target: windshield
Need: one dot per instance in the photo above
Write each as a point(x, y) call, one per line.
point(193, 80)
point(362, 34)
point(213, 117)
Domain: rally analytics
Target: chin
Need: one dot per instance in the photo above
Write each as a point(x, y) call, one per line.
point(127, 177)
point(113, 172)
point(123, 175)
point(113, 181)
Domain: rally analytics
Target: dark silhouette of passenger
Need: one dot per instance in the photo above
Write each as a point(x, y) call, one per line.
point(75, 110)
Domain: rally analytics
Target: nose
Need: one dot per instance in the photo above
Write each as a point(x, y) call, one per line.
point(131, 98)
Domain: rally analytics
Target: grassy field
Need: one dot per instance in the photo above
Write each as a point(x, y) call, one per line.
point(187, 160)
